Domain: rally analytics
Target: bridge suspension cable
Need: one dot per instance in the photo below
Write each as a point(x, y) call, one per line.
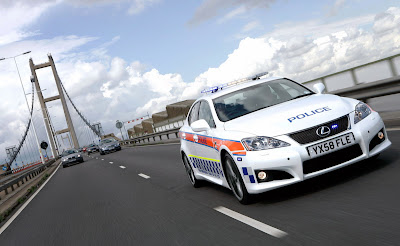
point(79, 113)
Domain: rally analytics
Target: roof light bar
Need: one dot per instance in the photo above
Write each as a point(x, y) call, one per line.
point(233, 83)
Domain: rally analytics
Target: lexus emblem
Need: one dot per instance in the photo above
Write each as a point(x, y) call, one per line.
point(323, 131)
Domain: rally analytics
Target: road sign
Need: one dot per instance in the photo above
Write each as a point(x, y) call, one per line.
point(4, 168)
point(44, 145)
point(118, 124)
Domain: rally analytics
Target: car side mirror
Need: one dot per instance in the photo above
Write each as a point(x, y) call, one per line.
point(319, 88)
point(200, 125)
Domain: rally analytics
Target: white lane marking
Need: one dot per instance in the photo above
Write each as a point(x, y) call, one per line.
point(8, 223)
point(111, 162)
point(102, 159)
point(252, 222)
point(144, 176)
point(393, 129)
point(97, 158)
point(122, 167)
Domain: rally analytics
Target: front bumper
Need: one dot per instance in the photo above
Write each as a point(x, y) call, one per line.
point(72, 161)
point(110, 149)
point(290, 159)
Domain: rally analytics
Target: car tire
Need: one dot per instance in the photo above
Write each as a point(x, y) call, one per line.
point(235, 180)
point(193, 180)
point(101, 153)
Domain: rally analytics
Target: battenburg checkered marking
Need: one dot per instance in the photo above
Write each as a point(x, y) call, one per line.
point(248, 178)
point(212, 168)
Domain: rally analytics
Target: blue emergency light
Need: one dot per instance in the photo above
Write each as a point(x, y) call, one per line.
point(233, 83)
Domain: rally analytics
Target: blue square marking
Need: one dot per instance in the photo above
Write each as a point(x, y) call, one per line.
point(245, 171)
point(239, 158)
point(252, 180)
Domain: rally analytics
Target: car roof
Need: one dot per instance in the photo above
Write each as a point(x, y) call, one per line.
point(233, 88)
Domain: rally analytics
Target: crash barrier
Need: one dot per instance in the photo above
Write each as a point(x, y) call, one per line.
point(24, 177)
point(379, 88)
point(158, 136)
point(354, 74)
point(20, 169)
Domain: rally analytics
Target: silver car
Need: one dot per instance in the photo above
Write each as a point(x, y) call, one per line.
point(71, 157)
point(109, 144)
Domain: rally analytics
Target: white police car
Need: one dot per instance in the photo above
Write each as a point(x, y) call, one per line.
point(255, 135)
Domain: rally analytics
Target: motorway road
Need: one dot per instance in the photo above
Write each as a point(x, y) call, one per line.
point(102, 203)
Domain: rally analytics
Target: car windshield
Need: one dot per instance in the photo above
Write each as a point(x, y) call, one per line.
point(70, 151)
point(109, 140)
point(250, 99)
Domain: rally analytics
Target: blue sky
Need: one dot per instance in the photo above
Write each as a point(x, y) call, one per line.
point(162, 30)
point(120, 59)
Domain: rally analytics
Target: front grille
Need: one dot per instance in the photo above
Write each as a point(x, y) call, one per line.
point(376, 140)
point(332, 159)
point(310, 135)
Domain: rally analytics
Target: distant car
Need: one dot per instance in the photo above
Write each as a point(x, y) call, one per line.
point(92, 148)
point(71, 157)
point(84, 149)
point(108, 145)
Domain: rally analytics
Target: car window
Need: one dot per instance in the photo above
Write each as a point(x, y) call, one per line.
point(194, 113)
point(108, 140)
point(253, 98)
point(205, 113)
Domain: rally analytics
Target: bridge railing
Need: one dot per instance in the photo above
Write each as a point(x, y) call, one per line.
point(158, 136)
point(6, 185)
point(353, 74)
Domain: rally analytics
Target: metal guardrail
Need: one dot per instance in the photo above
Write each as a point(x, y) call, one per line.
point(25, 177)
point(352, 71)
point(379, 88)
point(153, 136)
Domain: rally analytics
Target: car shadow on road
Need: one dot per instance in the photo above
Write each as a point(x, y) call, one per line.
point(329, 180)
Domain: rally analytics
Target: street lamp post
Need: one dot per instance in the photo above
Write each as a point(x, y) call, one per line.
point(27, 104)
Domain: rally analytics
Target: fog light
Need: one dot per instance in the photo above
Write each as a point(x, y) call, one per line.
point(262, 175)
point(380, 135)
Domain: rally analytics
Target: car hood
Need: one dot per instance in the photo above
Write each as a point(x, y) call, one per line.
point(71, 155)
point(292, 116)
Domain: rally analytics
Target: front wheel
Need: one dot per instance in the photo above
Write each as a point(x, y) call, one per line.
point(190, 173)
point(235, 180)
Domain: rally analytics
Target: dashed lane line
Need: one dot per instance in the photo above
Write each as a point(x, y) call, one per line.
point(144, 176)
point(122, 167)
point(111, 162)
point(252, 222)
point(102, 159)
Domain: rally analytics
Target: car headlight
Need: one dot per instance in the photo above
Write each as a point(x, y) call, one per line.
point(64, 159)
point(361, 111)
point(263, 143)
point(79, 155)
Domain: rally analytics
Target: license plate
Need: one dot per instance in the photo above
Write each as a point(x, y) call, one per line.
point(331, 145)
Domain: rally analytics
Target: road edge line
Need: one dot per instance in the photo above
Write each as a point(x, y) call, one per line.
point(15, 215)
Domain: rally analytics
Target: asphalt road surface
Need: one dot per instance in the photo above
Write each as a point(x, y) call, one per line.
point(104, 201)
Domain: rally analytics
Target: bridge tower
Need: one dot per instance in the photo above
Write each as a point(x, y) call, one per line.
point(43, 101)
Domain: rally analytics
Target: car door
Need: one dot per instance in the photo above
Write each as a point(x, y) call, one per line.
point(188, 134)
point(207, 157)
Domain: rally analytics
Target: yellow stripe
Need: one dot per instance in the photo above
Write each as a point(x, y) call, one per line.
point(204, 158)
